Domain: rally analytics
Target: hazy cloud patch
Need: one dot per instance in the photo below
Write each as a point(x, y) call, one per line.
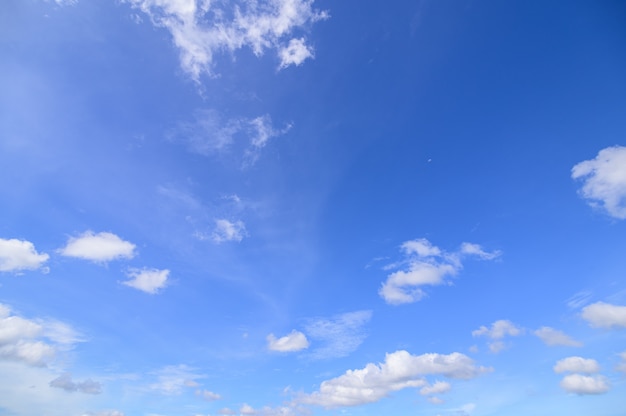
point(65, 382)
point(553, 337)
point(498, 331)
point(339, 335)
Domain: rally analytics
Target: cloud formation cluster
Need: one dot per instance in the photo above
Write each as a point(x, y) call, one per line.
point(583, 379)
point(426, 265)
point(200, 29)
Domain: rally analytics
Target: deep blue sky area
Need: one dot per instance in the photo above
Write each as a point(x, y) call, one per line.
point(306, 207)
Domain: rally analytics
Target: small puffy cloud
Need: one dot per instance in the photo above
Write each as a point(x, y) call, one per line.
point(100, 247)
point(226, 230)
point(605, 315)
point(200, 30)
point(339, 335)
point(577, 365)
point(226, 411)
point(65, 382)
point(208, 395)
point(399, 371)
point(439, 387)
point(295, 53)
point(147, 280)
point(172, 380)
point(17, 255)
point(294, 341)
point(498, 331)
point(583, 385)
point(33, 342)
point(426, 265)
point(604, 180)
point(553, 337)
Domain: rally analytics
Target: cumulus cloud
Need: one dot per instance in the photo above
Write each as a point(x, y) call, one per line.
point(399, 371)
point(65, 382)
point(33, 342)
point(147, 280)
point(498, 331)
point(553, 337)
point(577, 365)
point(583, 385)
point(226, 230)
point(439, 387)
point(339, 335)
point(426, 265)
point(17, 255)
point(604, 180)
point(294, 341)
point(605, 315)
point(200, 29)
point(99, 248)
point(295, 53)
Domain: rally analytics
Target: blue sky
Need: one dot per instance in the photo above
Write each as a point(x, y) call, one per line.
point(305, 207)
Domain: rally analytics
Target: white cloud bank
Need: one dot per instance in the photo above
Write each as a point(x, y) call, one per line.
point(99, 248)
point(498, 331)
point(605, 315)
point(17, 255)
point(338, 335)
point(201, 28)
point(425, 264)
point(604, 180)
point(553, 337)
point(151, 281)
point(294, 341)
point(33, 342)
point(399, 371)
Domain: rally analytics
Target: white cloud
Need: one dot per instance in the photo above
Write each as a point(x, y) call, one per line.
point(65, 382)
point(339, 335)
point(208, 395)
point(17, 255)
point(426, 264)
point(621, 367)
point(295, 341)
point(582, 385)
point(33, 342)
point(604, 180)
point(498, 331)
point(577, 365)
point(147, 280)
point(226, 230)
point(605, 315)
point(439, 387)
point(399, 371)
point(295, 53)
point(66, 2)
point(172, 380)
point(553, 337)
point(100, 248)
point(200, 29)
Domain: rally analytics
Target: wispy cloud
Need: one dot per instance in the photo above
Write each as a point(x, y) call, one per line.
point(18, 255)
point(426, 265)
point(604, 180)
point(498, 331)
point(100, 248)
point(553, 337)
point(201, 29)
point(226, 230)
point(173, 380)
point(65, 382)
point(339, 335)
point(399, 371)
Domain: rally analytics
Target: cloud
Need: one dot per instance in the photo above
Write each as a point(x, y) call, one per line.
point(399, 371)
point(604, 180)
point(295, 341)
point(577, 365)
point(99, 248)
point(498, 331)
point(439, 387)
point(147, 280)
point(201, 29)
point(553, 337)
point(17, 255)
point(582, 385)
point(621, 367)
point(339, 335)
point(226, 230)
point(208, 395)
point(426, 265)
point(605, 315)
point(104, 413)
point(172, 380)
point(295, 53)
point(33, 342)
point(65, 382)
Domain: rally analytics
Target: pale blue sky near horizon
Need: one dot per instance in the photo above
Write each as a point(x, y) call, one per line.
point(305, 207)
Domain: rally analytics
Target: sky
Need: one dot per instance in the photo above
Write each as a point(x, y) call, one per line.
point(312, 207)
